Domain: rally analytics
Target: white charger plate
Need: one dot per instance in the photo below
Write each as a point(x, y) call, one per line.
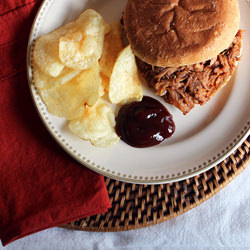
point(203, 138)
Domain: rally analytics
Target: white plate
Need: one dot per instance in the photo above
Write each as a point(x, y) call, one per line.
point(202, 139)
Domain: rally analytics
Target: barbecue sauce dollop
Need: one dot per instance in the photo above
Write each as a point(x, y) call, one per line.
point(145, 123)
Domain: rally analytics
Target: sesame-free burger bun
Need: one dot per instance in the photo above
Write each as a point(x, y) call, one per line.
point(172, 33)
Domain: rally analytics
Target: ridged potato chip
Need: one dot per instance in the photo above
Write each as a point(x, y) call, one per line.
point(112, 46)
point(97, 125)
point(125, 83)
point(46, 50)
point(81, 48)
point(68, 100)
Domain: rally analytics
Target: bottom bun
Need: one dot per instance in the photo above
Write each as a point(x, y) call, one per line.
point(188, 85)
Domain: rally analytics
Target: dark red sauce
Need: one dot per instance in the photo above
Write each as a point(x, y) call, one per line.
point(144, 124)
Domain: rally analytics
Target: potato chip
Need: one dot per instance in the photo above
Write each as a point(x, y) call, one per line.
point(113, 44)
point(59, 102)
point(91, 84)
point(77, 64)
point(43, 81)
point(90, 23)
point(97, 125)
point(105, 82)
point(125, 84)
point(81, 48)
point(68, 99)
point(46, 50)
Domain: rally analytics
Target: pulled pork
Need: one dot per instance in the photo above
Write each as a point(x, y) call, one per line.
point(188, 85)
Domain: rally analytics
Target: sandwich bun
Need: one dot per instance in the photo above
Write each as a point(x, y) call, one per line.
point(173, 33)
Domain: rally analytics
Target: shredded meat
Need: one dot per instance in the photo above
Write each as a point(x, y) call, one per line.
point(186, 86)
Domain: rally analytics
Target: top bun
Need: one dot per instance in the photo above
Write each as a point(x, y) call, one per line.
point(172, 33)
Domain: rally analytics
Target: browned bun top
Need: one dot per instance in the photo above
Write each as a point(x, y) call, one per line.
point(171, 33)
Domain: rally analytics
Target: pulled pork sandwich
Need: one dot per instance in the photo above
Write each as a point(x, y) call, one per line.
point(186, 49)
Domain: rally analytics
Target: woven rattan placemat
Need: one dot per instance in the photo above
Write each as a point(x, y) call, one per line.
point(135, 206)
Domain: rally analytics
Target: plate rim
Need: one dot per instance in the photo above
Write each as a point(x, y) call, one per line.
point(147, 180)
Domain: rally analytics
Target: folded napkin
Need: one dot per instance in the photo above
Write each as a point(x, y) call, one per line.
point(40, 185)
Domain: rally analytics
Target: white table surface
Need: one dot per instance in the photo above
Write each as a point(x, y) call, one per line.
point(222, 222)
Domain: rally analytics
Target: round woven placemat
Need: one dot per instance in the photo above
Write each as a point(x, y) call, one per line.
point(135, 206)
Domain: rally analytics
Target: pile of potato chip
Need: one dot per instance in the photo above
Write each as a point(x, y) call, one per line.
point(80, 64)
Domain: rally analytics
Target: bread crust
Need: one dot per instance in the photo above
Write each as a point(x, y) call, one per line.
point(171, 33)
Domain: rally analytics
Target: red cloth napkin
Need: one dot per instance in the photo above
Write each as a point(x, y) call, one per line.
point(40, 185)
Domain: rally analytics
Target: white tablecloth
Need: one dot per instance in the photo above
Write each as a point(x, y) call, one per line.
point(222, 222)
